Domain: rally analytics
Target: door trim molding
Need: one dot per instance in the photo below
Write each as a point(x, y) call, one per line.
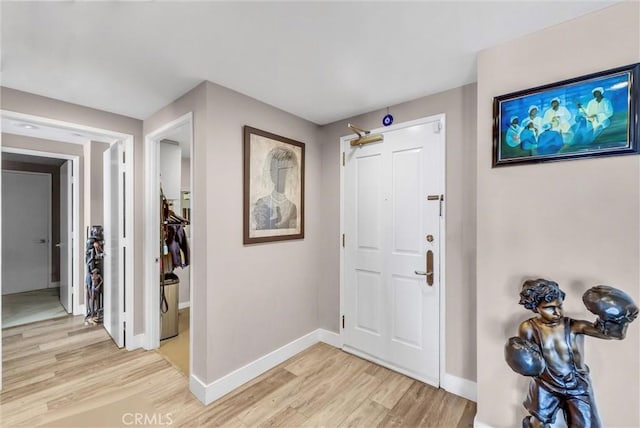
point(152, 234)
point(344, 146)
point(78, 307)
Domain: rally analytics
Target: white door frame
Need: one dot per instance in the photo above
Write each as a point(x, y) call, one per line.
point(129, 218)
point(152, 232)
point(67, 185)
point(344, 146)
point(78, 307)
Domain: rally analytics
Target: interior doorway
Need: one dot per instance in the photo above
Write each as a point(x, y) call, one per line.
point(168, 233)
point(40, 207)
point(43, 137)
point(392, 256)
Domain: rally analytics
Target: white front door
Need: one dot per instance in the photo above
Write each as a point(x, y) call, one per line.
point(392, 224)
point(26, 231)
point(113, 249)
point(66, 242)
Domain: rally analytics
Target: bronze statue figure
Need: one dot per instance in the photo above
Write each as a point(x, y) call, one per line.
point(549, 348)
point(94, 254)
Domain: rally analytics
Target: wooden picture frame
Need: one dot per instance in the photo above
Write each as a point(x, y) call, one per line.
point(587, 116)
point(273, 174)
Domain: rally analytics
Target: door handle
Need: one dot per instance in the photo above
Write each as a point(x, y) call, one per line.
point(429, 272)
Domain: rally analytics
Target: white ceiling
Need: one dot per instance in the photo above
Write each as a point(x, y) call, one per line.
point(322, 61)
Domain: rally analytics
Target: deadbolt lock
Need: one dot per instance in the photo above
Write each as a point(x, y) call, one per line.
point(429, 238)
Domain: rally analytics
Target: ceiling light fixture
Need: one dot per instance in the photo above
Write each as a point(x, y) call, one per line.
point(28, 126)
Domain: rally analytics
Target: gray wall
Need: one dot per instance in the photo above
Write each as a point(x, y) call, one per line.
point(23, 102)
point(247, 299)
point(262, 296)
point(575, 222)
point(97, 150)
point(459, 106)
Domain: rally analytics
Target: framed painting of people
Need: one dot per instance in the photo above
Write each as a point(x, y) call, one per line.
point(587, 116)
point(273, 187)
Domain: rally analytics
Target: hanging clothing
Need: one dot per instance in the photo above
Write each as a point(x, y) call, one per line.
point(178, 245)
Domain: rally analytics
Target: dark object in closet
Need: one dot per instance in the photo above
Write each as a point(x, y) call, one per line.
point(177, 241)
point(94, 254)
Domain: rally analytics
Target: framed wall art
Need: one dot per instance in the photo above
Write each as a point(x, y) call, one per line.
point(592, 115)
point(273, 187)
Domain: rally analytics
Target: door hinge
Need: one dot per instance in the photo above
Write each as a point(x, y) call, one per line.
point(343, 322)
point(123, 156)
point(343, 240)
point(441, 204)
point(343, 159)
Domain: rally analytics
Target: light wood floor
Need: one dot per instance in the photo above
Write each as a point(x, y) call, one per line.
point(176, 349)
point(60, 373)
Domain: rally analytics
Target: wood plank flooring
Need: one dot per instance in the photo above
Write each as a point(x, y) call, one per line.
point(60, 373)
point(176, 349)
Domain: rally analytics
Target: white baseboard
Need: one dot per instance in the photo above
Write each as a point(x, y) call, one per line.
point(208, 393)
point(329, 337)
point(183, 305)
point(198, 388)
point(459, 386)
point(478, 424)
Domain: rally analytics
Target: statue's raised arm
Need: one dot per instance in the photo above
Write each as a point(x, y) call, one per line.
point(615, 311)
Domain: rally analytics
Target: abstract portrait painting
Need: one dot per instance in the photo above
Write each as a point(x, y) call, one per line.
point(273, 187)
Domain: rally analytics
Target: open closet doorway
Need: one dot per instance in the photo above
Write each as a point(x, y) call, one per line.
point(167, 241)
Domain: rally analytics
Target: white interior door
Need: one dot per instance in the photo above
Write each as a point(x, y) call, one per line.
point(26, 231)
point(66, 241)
point(113, 237)
point(392, 223)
